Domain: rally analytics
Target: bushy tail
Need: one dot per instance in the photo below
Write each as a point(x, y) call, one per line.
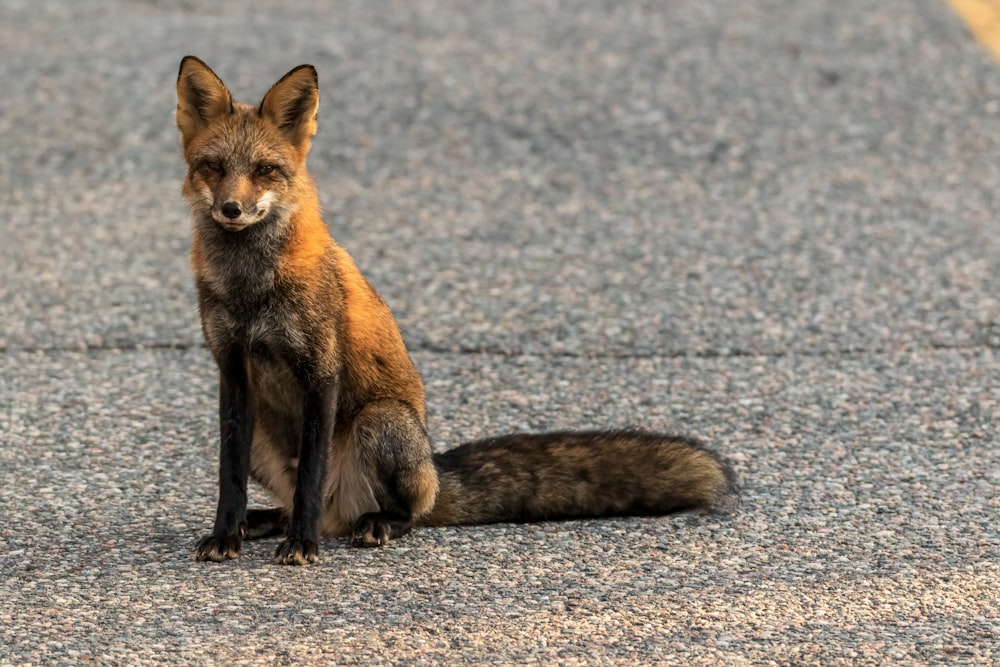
point(566, 475)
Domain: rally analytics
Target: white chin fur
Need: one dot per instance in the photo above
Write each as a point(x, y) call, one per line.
point(233, 225)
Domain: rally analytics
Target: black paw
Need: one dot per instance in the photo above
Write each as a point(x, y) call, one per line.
point(218, 548)
point(375, 530)
point(296, 552)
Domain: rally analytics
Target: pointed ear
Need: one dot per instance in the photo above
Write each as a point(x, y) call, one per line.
point(201, 98)
point(292, 103)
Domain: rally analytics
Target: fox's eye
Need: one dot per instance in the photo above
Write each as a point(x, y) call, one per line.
point(214, 166)
point(265, 169)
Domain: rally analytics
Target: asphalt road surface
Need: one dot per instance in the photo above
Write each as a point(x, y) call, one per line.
point(769, 224)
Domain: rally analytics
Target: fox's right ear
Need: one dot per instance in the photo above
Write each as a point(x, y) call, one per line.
point(201, 97)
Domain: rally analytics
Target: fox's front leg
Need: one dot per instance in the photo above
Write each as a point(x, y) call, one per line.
point(301, 543)
point(235, 430)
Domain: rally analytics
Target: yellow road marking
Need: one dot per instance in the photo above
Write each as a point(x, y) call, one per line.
point(983, 19)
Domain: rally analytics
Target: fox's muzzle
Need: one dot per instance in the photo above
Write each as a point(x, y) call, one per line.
point(233, 216)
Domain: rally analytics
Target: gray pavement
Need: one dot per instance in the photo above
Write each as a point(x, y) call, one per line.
point(772, 225)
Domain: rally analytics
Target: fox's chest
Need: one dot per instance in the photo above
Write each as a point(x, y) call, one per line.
point(256, 311)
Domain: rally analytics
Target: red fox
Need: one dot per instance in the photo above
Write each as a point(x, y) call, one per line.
point(319, 401)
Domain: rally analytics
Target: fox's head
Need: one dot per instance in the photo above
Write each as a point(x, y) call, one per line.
point(244, 162)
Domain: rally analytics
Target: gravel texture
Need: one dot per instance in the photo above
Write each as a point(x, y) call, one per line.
point(768, 224)
point(862, 537)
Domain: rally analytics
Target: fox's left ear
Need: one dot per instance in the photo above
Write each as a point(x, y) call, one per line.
point(292, 103)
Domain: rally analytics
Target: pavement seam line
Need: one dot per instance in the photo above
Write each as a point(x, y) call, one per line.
point(983, 19)
point(726, 353)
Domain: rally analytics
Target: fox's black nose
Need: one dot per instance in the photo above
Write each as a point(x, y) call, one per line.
point(231, 210)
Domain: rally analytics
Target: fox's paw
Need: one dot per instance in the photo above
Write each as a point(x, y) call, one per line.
point(296, 552)
point(375, 529)
point(218, 548)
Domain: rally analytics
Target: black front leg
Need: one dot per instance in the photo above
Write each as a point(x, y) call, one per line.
point(301, 544)
point(236, 432)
